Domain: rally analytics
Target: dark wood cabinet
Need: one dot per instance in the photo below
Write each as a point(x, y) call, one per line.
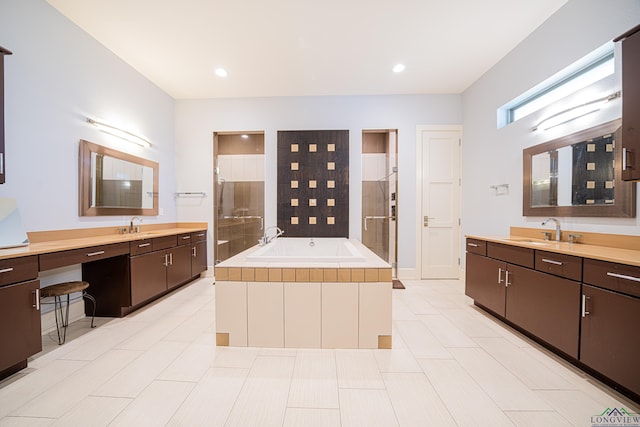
point(198, 252)
point(608, 340)
point(179, 267)
point(3, 52)
point(630, 104)
point(484, 282)
point(20, 333)
point(148, 276)
point(545, 306)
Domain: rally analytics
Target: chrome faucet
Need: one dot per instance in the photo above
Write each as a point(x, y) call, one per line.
point(558, 233)
point(266, 238)
point(131, 228)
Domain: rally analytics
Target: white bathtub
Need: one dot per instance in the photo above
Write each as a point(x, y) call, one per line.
point(304, 249)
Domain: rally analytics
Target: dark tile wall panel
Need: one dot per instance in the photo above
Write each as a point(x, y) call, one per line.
point(313, 183)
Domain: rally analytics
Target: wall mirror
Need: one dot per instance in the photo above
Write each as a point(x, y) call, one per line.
point(578, 175)
point(116, 183)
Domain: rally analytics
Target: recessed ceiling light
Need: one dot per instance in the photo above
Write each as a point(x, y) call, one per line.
point(221, 72)
point(398, 68)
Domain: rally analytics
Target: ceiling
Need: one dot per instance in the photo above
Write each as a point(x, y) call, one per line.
point(307, 47)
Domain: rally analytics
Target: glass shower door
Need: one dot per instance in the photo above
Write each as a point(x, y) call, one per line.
point(380, 193)
point(239, 192)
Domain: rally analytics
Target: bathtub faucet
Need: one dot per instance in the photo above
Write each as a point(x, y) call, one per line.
point(266, 238)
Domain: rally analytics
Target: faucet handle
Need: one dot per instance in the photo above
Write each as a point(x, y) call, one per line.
point(547, 235)
point(574, 237)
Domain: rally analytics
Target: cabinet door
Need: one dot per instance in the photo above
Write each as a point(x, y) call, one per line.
point(20, 333)
point(148, 276)
point(179, 269)
point(3, 52)
point(485, 282)
point(198, 258)
point(608, 342)
point(547, 306)
point(631, 107)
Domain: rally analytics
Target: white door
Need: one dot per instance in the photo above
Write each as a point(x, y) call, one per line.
point(440, 219)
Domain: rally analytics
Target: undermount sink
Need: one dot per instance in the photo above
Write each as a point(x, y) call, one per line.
point(529, 241)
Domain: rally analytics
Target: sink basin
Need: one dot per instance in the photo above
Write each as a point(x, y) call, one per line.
point(529, 241)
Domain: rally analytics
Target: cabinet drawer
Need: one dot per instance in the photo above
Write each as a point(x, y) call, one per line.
point(139, 247)
point(14, 270)
point(80, 256)
point(184, 239)
point(478, 247)
point(511, 254)
point(561, 265)
point(616, 277)
point(199, 236)
point(165, 242)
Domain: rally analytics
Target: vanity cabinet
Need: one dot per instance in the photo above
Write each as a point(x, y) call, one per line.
point(630, 104)
point(506, 282)
point(610, 319)
point(3, 52)
point(20, 330)
point(198, 252)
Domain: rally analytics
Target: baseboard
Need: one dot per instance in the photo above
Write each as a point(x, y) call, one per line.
point(407, 273)
point(48, 320)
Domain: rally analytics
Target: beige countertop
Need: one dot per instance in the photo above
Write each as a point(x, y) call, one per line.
point(604, 253)
point(74, 241)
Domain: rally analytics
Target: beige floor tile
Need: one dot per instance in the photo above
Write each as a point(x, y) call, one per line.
point(533, 373)
point(211, 399)
point(400, 309)
point(415, 303)
point(26, 422)
point(469, 322)
point(195, 325)
point(415, 401)
point(67, 394)
point(103, 340)
point(537, 419)
point(309, 417)
point(315, 381)
point(467, 402)
point(152, 332)
point(501, 385)
point(234, 357)
point(358, 369)
point(420, 340)
point(38, 381)
point(446, 332)
point(396, 360)
point(191, 364)
point(574, 405)
point(94, 411)
point(263, 398)
point(360, 407)
point(156, 405)
point(133, 379)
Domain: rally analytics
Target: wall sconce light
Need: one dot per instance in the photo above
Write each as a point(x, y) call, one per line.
point(575, 112)
point(120, 133)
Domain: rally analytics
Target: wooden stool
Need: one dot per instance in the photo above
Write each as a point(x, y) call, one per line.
point(57, 291)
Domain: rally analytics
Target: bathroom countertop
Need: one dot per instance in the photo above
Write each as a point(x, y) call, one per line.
point(78, 239)
point(604, 253)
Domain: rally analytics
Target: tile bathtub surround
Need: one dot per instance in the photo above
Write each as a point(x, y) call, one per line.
point(268, 274)
point(426, 379)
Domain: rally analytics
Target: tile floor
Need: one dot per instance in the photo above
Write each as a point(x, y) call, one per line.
point(451, 365)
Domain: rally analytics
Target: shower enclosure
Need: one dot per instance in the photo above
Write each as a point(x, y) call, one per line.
point(380, 193)
point(239, 192)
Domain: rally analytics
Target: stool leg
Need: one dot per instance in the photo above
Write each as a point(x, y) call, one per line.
point(62, 323)
point(93, 300)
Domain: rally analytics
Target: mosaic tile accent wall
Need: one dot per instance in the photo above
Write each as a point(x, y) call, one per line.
point(313, 183)
point(593, 172)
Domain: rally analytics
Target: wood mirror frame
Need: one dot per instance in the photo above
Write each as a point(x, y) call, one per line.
point(624, 205)
point(85, 190)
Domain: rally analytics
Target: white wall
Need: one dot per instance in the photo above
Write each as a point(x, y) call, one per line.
point(494, 156)
point(57, 76)
point(197, 120)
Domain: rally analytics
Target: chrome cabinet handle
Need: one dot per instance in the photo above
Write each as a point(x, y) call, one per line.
point(194, 252)
point(144, 245)
point(166, 260)
point(171, 258)
point(550, 261)
point(6, 270)
point(95, 253)
point(506, 278)
point(625, 164)
point(585, 313)
point(624, 276)
point(473, 245)
point(186, 237)
point(499, 275)
point(37, 299)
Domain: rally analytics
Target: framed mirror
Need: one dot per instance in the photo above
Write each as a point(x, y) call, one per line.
point(116, 183)
point(578, 175)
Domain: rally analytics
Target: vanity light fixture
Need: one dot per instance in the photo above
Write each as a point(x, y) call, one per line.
point(575, 112)
point(120, 133)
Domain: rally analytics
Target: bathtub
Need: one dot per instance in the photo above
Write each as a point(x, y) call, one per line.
point(304, 250)
point(299, 292)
